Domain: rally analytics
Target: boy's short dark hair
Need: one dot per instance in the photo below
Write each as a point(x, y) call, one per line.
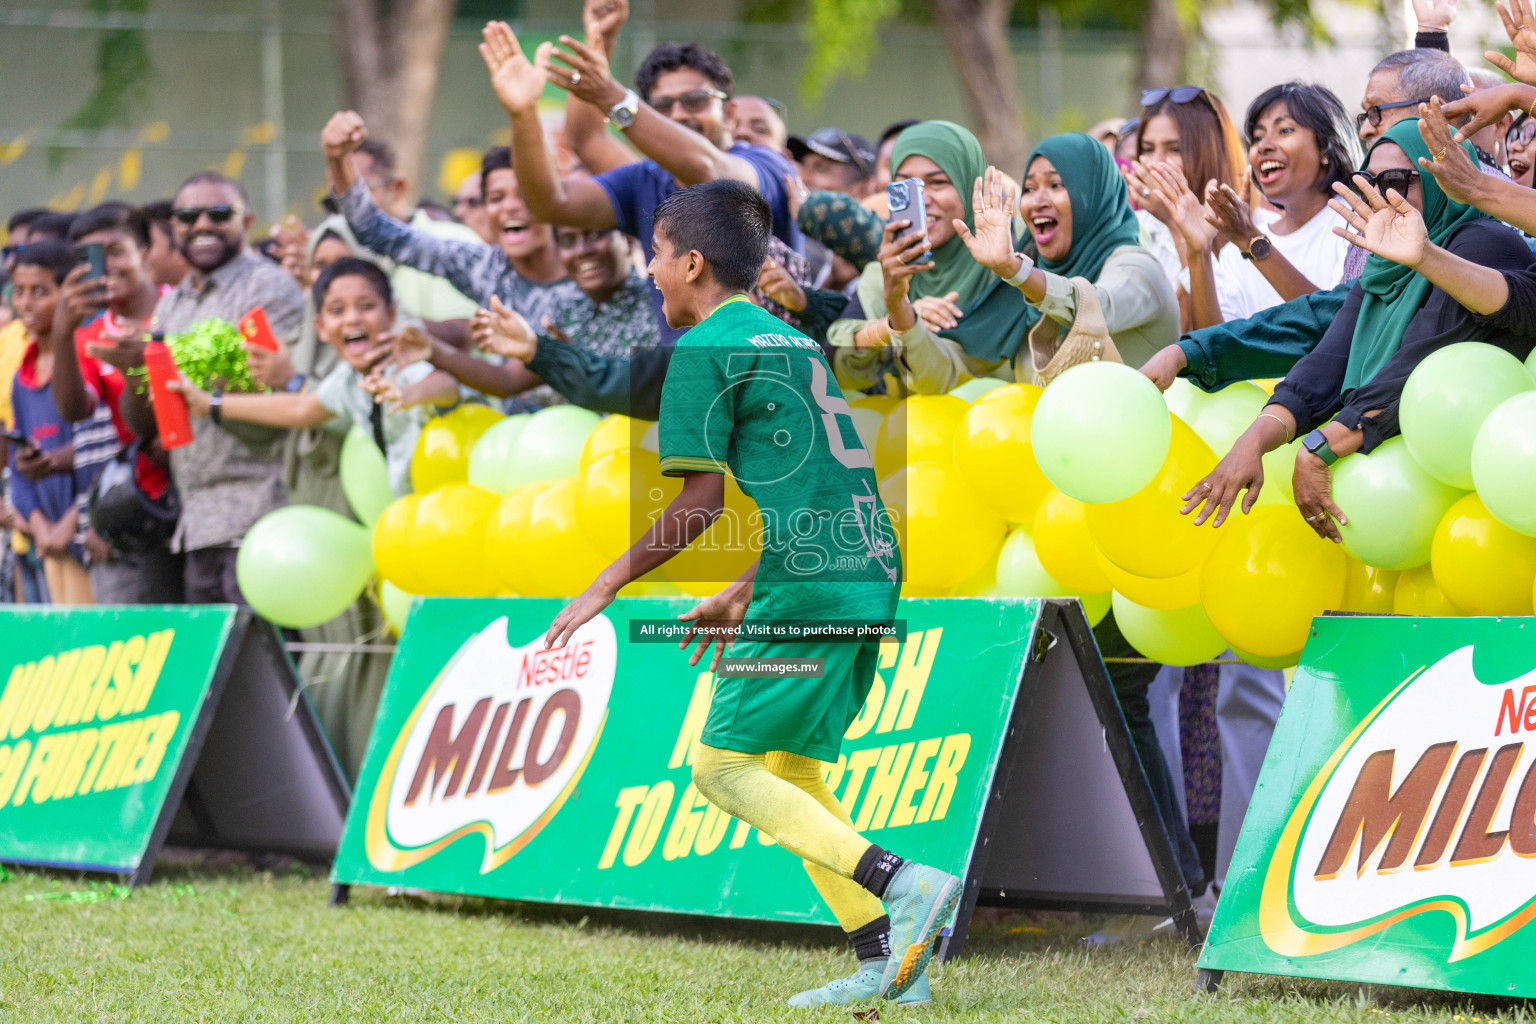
point(497, 158)
point(24, 218)
point(50, 226)
point(729, 224)
point(671, 56)
point(114, 216)
point(352, 266)
point(54, 256)
point(894, 129)
point(158, 214)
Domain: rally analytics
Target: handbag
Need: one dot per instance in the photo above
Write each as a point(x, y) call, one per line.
point(1087, 340)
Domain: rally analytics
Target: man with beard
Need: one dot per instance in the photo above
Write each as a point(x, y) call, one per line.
point(227, 480)
point(680, 117)
point(523, 270)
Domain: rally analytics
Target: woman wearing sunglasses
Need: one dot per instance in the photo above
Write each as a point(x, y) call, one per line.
point(1299, 144)
point(1440, 272)
point(1185, 133)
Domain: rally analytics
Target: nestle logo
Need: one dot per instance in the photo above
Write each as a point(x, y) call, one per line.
point(540, 668)
point(1522, 717)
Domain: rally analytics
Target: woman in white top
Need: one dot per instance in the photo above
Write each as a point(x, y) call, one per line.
point(1299, 144)
point(1188, 131)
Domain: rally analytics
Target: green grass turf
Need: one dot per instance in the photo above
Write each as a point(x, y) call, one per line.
point(235, 944)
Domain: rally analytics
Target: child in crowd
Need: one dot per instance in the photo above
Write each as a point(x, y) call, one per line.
point(355, 315)
point(53, 461)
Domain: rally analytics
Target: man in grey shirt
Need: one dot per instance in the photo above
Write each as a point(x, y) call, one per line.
point(231, 474)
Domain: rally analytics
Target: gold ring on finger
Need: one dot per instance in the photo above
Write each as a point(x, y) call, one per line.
point(1441, 155)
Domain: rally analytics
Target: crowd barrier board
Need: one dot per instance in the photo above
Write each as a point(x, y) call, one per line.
point(990, 744)
point(1391, 835)
point(122, 728)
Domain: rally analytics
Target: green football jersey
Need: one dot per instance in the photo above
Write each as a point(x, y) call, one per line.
point(748, 394)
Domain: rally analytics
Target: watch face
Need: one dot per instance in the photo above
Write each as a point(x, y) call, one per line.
point(1259, 248)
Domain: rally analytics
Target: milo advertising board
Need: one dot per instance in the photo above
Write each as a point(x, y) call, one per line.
point(498, 768)
point(1392, 837)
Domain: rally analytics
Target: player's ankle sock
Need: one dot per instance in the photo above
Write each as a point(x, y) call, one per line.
point(875, 869)
point(872, 942)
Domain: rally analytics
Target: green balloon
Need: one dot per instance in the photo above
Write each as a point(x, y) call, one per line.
point(1504, 463)
point(365, 477)
point(1446, 399)
point(1221, 418)
point(1173, 636)
point(1100, 432)
point(395, 604)
point(976, 387)
point(1019, 572)
point(549, 447)
point(494, 456)
point(302, 565)
point(1392, 504)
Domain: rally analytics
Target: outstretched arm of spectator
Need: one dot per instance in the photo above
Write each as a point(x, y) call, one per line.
point(296, 411)
point(586, 127)
point(689, 157)
point(518, 83)
point(78, 300)
point(627, 385)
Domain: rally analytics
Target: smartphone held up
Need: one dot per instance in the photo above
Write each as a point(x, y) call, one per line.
point(905, 198)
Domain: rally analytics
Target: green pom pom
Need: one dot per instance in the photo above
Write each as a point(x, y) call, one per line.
point(210, 354)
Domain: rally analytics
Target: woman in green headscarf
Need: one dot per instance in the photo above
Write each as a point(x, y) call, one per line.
point(1076, 209)
point(1440, 273)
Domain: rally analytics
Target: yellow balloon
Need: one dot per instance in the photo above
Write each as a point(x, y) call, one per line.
point(920, 429)
point(442, 449)
point(1418, 594)
point(1482, 566)
point(946, 535)
point(1064, 546)
point(392, 544)
point(1267, 577)
point(982, 583)
point(868, 423)
point(613, 434)
point(560, 559)
point(883, 404)
point(994, 454)
point(447, 544)
point(504, 540)
point(619, 495)
point(1145, 534)
point(1174, 592)
point(720, 555)
point(1367, 588)
point(910, 591)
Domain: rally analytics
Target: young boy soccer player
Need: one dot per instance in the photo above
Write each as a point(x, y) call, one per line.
point(355, 315)
point(749, 395)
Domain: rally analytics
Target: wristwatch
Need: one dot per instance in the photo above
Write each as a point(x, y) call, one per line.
point(1258, 248)
point(216, 405)
point(295, 384)
point(622, 114)
point(1022, 274)
point(1317, 444)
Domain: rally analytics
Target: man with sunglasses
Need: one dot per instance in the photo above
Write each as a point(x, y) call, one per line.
point(680, 117)
point(227, 480)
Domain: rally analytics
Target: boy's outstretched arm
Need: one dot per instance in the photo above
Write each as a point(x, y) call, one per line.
point(691, 513)
point(296, 411)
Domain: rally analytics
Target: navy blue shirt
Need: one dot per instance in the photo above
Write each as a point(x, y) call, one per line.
point(636, 189)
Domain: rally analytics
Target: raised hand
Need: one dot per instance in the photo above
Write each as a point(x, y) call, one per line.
point(342, 134)
point(1189, 214)
point(1141, 188)
point(409, 344)
point(602, 19)
point(1434, 15)
point(1387, 225)
point(517, 81)
point(779, 285)
point(1230, 215)
point(1519, 20)
point(292, 245)
point(504, 332)
point(582, 70)
point(1460, 179)
point(993, 205)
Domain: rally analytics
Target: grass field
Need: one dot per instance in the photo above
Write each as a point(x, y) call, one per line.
point(233, 944)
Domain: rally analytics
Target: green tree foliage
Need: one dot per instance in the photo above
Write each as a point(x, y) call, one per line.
point(123, 75)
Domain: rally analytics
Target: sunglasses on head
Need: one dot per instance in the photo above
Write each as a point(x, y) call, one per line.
point(1398, 178)
point(1373, 112)
point(1521, 132)
point(694, 101)
point(1178, 94)
point(190, 215)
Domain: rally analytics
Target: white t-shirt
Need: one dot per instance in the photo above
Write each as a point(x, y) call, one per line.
point(1157, 239)
point(1313, 249)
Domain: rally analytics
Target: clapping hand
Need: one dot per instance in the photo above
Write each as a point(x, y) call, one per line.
point(1230, 214)
point(503, 332)
point(1387, 225)
point(1519, 20)
point(1189, 216)
point(1460, 179)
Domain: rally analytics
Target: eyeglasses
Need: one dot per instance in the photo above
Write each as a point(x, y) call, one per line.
point(778, 107)
point(1179, 94)
point(1373, 113)
point(1398, 178)
point(694, 101)
point(189, 215)
point(1521, 133)
point(469, 202)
